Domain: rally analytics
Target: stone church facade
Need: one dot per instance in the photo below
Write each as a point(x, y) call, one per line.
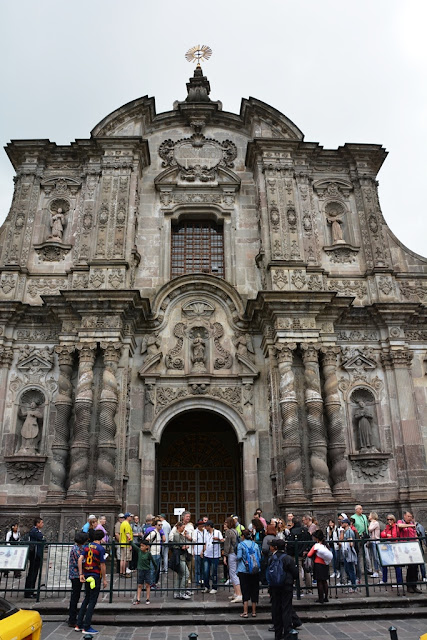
point(200, 309)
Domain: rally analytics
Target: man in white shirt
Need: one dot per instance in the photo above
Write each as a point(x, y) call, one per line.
point(199, 540)
point(211, 554)
point(165, 549)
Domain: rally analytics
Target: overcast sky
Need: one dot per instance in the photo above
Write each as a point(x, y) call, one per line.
point(343, 71)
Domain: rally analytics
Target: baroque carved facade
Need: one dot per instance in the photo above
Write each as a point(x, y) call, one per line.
point(203, 263)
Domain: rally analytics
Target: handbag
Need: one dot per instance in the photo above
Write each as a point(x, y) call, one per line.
point(175, 561)
point(307, 565)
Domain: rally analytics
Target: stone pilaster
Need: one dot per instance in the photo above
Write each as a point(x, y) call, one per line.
point(335, 427)
point(409, 448)
point(316, 430)
point(6, 357)
point(107, 424)
point(83, 408)
point(292, 450)
point(63, 405)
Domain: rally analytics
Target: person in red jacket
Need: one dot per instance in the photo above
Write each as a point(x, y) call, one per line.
point(321, 569)
point(391, 531)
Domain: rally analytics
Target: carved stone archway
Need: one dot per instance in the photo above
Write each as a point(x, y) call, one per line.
point(248, 439)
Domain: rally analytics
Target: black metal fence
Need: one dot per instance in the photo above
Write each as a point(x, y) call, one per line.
point(369, 578)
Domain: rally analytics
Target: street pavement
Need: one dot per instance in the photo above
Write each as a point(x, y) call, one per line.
point(359, 630)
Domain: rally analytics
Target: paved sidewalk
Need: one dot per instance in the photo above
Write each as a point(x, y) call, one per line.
point(369, 630)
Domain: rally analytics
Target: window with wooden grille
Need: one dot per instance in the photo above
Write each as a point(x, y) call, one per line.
point(197, 247)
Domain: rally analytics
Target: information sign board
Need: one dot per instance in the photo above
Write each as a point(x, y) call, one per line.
point(13, 557)
point(394, 554)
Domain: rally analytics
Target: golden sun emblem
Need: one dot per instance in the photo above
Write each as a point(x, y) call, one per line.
point(198, 53)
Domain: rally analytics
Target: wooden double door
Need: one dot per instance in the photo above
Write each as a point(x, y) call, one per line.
point(199, 468)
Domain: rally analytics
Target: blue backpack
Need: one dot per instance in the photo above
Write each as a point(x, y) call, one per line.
point(253, 558)
point(276, 573)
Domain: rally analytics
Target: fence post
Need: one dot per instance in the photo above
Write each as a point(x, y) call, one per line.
point(39, 580)
point(393, 633)
point(113, 560)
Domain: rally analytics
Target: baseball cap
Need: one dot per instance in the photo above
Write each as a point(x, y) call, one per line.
point(346, 521)
point(121, 515)
point(92, 516)
point(127, 514)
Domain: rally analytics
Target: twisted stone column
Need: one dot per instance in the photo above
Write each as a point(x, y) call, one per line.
point(83, 408)
point(316, 430)
point(107, 425)
point(335, 428)
point(63, 405)
point(290, 424)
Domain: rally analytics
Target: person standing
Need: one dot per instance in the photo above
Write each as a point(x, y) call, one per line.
point(281, 595)
point(321, 567)
point(137, 529)
point(13, 536)
point(146, 566)
point(349, 553)
point(156, 538)
point(73, 573)
point(230, 557)
point(101, 526)
point(35, 557)
point(117, 526)
point(249, 560)
point(374, 533)
point(199, 539)
point(391, 532)
point(126, 537)
point(91, 565)
point(211, 555)
point(181, 576)
point(362, 526)
point(407, 529)
point(165, 549)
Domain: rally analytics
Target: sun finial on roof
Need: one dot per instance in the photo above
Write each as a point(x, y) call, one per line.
point(198, 53)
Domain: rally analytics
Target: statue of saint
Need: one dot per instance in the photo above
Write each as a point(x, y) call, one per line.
point(30, 428)
point(198, 357)
point(364, 419)
point(57, 224)
point(337, 232)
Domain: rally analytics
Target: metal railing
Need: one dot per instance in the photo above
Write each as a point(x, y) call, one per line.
point(52, 580)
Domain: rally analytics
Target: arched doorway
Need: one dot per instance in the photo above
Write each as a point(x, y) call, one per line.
point(199, 467)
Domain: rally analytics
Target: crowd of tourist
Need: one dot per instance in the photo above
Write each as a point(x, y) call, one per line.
point(272, 553)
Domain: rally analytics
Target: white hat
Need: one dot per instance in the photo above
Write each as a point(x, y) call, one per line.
point(92, 517)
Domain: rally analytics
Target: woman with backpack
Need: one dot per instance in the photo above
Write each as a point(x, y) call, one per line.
point(322, 558)
point(231, 542)
point(249, 562)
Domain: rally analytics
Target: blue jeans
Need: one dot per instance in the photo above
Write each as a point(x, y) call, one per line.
point(198, 569)
point(351, 572)
point(399, 575)
point(88, 604)
point(211, 566)
point(155, 572)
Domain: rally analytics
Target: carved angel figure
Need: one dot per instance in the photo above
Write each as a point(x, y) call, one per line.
point(57, 224)
point(151, 345)
point(364, 419)
point(30, 428)
point(244, 345)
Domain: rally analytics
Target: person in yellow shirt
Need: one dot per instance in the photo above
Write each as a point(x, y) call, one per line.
point(126, 537)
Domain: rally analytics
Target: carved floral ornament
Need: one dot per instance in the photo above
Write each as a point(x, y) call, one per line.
point(198, 157)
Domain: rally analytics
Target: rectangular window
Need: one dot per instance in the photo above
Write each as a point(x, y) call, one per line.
point(197, 247)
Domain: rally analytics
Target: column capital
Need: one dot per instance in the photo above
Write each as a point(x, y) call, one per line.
point(310, 351)
point(6, 356)
point(329, 354)
point(397, 359)
point(65, 353)
point(86, 351)
point(112, 351)
point(284, 351)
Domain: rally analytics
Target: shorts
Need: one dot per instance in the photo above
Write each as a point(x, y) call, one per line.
point(144, 576)
point(126, 553)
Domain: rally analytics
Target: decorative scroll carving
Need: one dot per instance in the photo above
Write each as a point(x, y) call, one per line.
point(83, 409)
point(166, 395)
point(63, 404)
point(172, 359)
point(336, 441)
point(198, 309)
point(358, 336)
point(8, 283)
point(225, 361)
point(107, 424)
point(413, 290)
point(348, 287)
point(46, 286)
point(342, 254)
point(24, 469)
point(371, 467)
point(314, 408)
point(292, 451)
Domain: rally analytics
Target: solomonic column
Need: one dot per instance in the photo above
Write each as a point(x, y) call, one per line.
point(83, 408)
point(107, 424)
point(335, 428)
point(63, 405)
point(290, 424)
point(316, 430)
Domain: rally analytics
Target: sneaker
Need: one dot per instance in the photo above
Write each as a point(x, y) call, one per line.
point(424, 579)
point(375, 575)
point(77, 628)
point(177, 596)
point(205, 590)
point(213, 590)
point(227, 583)
point(184, 596)
point(147, 602)
point(237, 599)
point(188, 593)
point(91, 630)
point(128, 570)
point(338, 584)
point(382, 582)
point(333, 575)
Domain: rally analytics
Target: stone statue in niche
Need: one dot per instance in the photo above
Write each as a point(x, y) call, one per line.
point(57, 223)
point(33, 422)
point(364, 420)
point(198, 357)
point(334, 215)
